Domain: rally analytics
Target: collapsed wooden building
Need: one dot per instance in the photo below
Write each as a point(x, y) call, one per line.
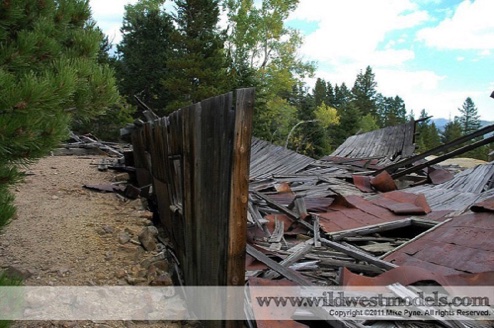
point(371, 213)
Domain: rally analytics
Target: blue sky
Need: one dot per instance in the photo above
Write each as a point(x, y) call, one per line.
point(432, 53)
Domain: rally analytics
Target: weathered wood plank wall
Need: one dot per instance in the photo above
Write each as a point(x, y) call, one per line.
point(197, 160)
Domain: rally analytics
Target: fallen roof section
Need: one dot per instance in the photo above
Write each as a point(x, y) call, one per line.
point(268, 160)
point(390, 144)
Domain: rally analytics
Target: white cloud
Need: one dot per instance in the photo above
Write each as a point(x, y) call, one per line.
point(351, 30)
point(470, 27)
point(109, 15)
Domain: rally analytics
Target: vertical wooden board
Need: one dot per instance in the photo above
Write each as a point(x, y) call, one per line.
point(188, 156)
point(239, 190)
point(210, 187)
point(239, 199)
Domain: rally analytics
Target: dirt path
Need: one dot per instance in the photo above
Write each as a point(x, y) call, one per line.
point(65, 235)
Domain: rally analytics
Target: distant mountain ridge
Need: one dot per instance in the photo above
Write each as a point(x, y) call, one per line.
point(441, 123)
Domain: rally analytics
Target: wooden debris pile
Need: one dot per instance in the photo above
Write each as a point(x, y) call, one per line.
point(329, 222)
point(90, 145)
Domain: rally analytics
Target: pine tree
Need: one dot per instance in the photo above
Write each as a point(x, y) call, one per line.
point(452, 130)
point(342, 96)
point(198, 68)
point(469, 119)
point(364, 92)
point(428, 135)
point(320, 92)
point(49, 76)
point(392, 111)
point(347, 112)
point(330, 96)
point(143, 54)
point(470, 122)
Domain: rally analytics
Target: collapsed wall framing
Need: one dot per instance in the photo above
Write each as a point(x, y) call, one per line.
point(197, 162)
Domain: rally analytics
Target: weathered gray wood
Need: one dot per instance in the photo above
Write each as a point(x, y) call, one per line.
point(198, 159)
point(277, 234)
point(355, 253)
point(302, 249)
point(285, 272)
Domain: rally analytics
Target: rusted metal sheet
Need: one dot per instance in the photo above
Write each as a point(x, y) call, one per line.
point(438, 215)
point(463, 245)
point(362, 182)
point(439, 175)
point(486, 205)
point(313, 204)
point(398, 201)
point(383, 182)
point(407, 275)
point(354, 211)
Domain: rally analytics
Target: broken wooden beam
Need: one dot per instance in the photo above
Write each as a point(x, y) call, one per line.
point(285, 272)
point(441, 158)
point(393, 167)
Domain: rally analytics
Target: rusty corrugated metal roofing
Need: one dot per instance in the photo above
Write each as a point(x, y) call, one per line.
point(383, 182)
point(355, 212)
point(438, 175)
point(463, 245)
point(407, 275)
point(362, 182)
point(487, 205)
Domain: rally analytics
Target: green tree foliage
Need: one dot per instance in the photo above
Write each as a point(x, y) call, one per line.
point(49, 75)
point(368, 123)
point(143, 54)
point(320, 92)
point(106, 126)
point(428, 135)
point(327, 115)
point(342, 96)
point(262, 53)
point(391, 110)
point(469, 118)
point(470, 122)
point(198, 68)
point(349, 122)
point(309, 137)
point(452, 130)
point(364, 92)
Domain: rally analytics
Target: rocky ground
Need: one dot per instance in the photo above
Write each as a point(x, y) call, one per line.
point(65, 235)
